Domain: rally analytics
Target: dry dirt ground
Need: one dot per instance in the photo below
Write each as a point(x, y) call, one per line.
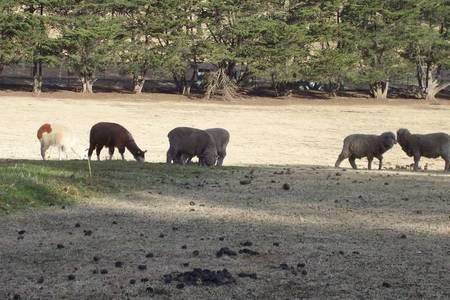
point(334, 234)
point(263, 131)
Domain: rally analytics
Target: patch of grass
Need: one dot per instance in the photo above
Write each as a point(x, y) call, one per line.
point(27, 183)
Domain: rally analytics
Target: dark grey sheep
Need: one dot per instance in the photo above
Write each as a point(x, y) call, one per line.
point(430, 145)
point(113, 135)
point(189, 142)
point(221, 137)
point(366, 145)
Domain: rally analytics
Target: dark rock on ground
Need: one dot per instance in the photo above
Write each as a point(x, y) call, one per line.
point(225, 251)
point(248, 251)
point(247, 244)
point(118, 264)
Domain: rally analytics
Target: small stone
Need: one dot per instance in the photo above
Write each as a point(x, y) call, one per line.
point(301, 265)
point(149, 289)
point(103, 271)
point(161, 235)
point(225, 251)
point(185, 264)
point(40, 280)
point(286, 187)
point(145, 279)
point(245, 181)
point(195, 252)
point(114, 222)
point(222, 238)
point(248, 251)
point(249, 275)
point(304, 272)
point(60, 246)
point(71, 277)
point(16, 297)
point(118, 264)
point(276, 244)
point(96, 258)
point(386, 183)
point(184, 247)
point(403, 236)
point(94, 271)
point(180, 286)
point(284, 266)
point(142, 267)
point(341, 252)
point(192, 203)
point(21, 232)
point(149, 255)
point(77, 225)
point(386, 284)
point(132, 281)
point(87, 232)
point(356, 252)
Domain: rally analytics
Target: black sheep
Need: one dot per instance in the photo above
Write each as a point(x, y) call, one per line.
point(366, 145)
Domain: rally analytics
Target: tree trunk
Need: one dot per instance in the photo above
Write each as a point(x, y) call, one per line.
point(88, 82)
point(379, 90)
point(138, 81)
point(187, 90)
point(37, 78)
point(385, 91)
point(433, 86)
point(179, 83)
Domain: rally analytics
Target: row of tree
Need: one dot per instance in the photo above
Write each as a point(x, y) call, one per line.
point(285, 41)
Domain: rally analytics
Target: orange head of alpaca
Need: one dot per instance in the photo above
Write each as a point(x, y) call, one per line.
point(46, 128)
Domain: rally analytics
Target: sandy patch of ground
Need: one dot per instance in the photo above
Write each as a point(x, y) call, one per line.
point(299, 132)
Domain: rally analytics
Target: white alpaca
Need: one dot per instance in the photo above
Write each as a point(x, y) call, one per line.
point(57, 136)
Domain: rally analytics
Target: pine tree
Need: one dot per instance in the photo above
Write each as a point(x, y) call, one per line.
point(378, 28)
point(90, 35)
point(429, 45)
point(14, 27)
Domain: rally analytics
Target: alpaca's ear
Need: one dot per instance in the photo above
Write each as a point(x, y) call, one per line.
point(145, 151)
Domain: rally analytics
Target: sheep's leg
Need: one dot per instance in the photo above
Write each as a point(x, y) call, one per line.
point(339, 160)
point(416, 162)
point(186, 158)
point(380, 158)
point(98, 150)
point(169, 156)
point(351, 159)
point(221, 158)
point(64, 151)
point(179, 158)
point(59, 153)
point(91, 149)
point(122, 151)
point(369, 164)
point(447, 163)
point(44, 148)
point(111, 152)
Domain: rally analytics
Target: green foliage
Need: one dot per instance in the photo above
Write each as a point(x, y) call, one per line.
point(14, 29)
point(285, 41)
point(25, 184)
point(379, 37)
